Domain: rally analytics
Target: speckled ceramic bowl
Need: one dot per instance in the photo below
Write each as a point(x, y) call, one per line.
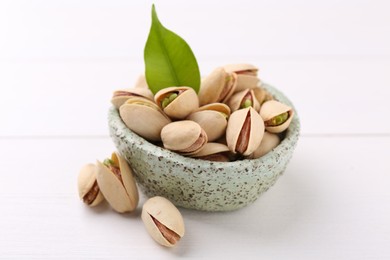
point(200, 184)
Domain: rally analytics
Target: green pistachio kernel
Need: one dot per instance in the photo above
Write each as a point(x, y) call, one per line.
point(108, 162)
point(167, 100)
point(278, 120)
point(246, 103)
point(228, 78)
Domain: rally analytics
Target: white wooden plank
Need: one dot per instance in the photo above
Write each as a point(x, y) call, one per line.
point(72, 97)
point(65, 29)
point(331, 203)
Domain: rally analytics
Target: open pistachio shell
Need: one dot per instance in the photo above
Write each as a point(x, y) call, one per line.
point(177, 102)
point(217, 87)
point(213, 152)
point(241, 68)
point(122, 95)
point(163, 221)
point(271, 109)
point(244, 131)
point(117, 184)
point(245, 81)
point(185, 137)
point(143, 117)
point(89, 190)
point(219, 107)
point(212, 118)
point(262, 95)
point(243, 99)
point(269, 142)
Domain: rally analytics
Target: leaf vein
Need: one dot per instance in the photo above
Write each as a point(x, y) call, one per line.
point(166, 54)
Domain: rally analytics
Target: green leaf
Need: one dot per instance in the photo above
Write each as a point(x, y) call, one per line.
point(169, 60)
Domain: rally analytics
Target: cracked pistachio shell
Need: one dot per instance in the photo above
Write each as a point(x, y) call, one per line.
point(88, 188)
point(237, 100)
point(219, 107)
point(143, 117)
point(244, 131)
point(262, 95)
point(185, 137)
point(121, 193)
point(269, 142)
point(273, 108)
point(184, 104)
point(168, 216)
point(245, 81)
point(241, 68)
point(213, 152)
point(212, 118)
point(122, 95)
point(217, 87)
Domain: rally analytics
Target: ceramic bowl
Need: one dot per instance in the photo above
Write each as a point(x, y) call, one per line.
point(199, 184)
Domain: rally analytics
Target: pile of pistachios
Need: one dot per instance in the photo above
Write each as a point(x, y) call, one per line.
point(232, 117)
point(112, 180)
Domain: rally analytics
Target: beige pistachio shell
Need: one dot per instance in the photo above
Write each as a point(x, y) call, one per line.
point(269, 142)
point(217, 87)
point(184, 136)
point(141, 82)
point(184, 104)
point(122, 95)
point(245, 81)
point(219, 107)
point(88, 188)
point(274, 108)
point(143, 117)
point(212, 122)
point(262, 95)
point(244, 131)
point(236, 101)
point(241, 68)
point(121, 193)
point(213, 152)
point(163, 221)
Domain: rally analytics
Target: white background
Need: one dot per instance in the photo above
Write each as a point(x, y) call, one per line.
point(61, 60)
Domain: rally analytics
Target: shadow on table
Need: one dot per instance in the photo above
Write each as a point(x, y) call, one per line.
point(283, 208)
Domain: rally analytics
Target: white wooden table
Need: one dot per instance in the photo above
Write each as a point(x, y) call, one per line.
point(61, 60)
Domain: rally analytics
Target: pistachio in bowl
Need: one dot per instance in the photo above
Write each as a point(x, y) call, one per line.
point(217, 175)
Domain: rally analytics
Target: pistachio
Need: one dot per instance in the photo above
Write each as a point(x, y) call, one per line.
point(177, 102)
point(262, 95)
point(241, 68)
point(121, 96)
point(115, 179)
point(217, 87)
point(269, 142)
point(244, 99)
point(277, 116)
point(89, 190)
point(244, 131)
point(213, 152)
point(143, 117)
point(185, 137)
point(163, 221)
point(212, 118)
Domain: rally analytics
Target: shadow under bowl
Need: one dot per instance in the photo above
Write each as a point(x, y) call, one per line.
point(200, 184)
